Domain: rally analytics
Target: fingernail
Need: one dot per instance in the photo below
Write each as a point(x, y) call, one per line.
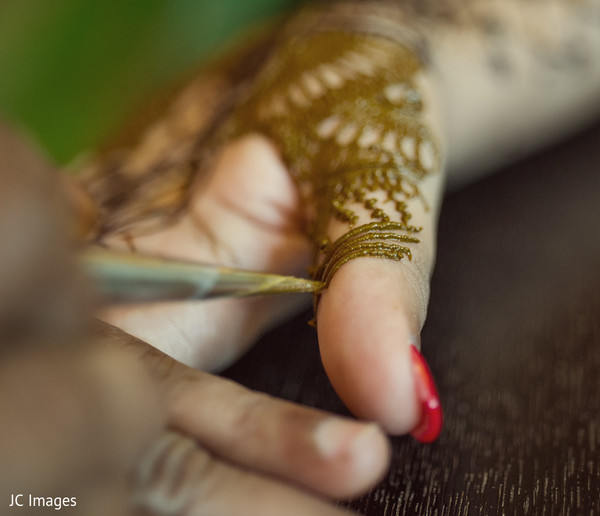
point(334, 436)
point(430, 425)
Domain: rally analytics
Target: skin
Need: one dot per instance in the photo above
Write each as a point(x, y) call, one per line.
point(258, 224)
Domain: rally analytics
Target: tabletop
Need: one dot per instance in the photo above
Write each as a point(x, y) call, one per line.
point(513, 340)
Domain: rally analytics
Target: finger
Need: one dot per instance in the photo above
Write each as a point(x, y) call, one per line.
point(68, 420)
point(247, 217)
point(177, 477)
point(369, 318)
point(327, 454)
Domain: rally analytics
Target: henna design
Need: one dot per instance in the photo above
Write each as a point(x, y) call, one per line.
point(347, 115)
point(367, 240)
point(339, 95)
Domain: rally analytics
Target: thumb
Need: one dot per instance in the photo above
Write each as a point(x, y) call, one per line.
point(369, 320)
point(355, 120)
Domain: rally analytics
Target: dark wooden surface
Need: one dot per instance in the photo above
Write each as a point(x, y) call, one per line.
point(513, 338)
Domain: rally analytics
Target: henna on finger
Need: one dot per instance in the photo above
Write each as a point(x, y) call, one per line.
point(347, 113)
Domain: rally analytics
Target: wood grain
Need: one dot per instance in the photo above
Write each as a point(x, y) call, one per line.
point(513, 338)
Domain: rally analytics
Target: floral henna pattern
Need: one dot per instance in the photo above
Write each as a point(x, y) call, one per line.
point(348, 117)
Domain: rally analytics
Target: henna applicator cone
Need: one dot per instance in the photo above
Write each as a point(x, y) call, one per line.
point(135, 278)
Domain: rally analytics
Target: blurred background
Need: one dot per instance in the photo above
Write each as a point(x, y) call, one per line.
point(72, 70)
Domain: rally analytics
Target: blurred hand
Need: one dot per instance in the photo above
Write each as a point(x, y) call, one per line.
point(74, 424)
point(74, 417)
point(247, 453)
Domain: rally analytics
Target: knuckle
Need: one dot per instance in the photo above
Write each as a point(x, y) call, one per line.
point(250, 416)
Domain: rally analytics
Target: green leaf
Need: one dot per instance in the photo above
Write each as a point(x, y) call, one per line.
point(71, 70)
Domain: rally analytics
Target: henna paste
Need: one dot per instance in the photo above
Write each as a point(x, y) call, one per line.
point(347, 115)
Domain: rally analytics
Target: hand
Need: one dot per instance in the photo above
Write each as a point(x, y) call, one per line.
point(249, 216)
point(84, 428)
point(246, 451)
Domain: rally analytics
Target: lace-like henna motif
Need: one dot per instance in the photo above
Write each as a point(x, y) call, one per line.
point(346, 113)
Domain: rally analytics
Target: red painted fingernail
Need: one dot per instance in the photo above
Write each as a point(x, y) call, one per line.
point(430, 426)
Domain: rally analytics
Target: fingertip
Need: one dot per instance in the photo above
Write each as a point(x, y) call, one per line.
point(365, 322)
point(372, 452)
point(360, 451)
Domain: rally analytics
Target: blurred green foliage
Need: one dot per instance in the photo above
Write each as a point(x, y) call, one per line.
point(71, 70)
